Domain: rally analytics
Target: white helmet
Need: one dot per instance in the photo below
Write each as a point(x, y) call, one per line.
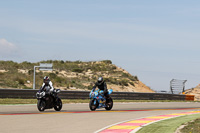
point(46, 80)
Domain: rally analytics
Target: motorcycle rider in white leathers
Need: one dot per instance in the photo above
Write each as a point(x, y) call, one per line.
point(47, 82)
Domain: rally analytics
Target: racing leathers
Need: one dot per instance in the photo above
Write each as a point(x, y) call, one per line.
point(49, 84)
point(102, 86)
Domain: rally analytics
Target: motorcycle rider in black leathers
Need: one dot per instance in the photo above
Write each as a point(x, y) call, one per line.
point(101, 84)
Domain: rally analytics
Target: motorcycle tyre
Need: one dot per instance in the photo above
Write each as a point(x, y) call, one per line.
point(92, 106)
point(40, 106)
point(111, 104)
point(58, 105)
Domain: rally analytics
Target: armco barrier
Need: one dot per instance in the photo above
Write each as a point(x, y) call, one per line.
point(30, 94)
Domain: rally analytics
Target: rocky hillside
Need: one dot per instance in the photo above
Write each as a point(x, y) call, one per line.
point(194, 91)
point(69, 75)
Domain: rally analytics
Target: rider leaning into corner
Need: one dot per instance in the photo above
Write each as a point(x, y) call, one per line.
point(47, 83)
point(101, 84)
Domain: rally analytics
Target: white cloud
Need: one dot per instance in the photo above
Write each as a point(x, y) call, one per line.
point(7, 48)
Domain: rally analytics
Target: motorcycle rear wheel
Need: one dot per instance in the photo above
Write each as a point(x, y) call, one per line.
point(58, 105)
point(41, 105)
point(109, 104)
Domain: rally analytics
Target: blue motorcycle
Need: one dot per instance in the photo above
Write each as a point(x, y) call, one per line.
point(98, 100)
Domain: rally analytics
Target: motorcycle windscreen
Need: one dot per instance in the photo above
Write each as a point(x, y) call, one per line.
point(110, 91)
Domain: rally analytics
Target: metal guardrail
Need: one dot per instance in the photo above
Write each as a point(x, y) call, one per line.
point(31, 94)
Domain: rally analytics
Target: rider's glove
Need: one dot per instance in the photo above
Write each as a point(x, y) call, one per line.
point(51, 90)
point(54, 91)
point(93, 89)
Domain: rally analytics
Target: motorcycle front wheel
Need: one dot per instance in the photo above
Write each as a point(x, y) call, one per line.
point(92, 105)
point(41, 105)
point(58, 105)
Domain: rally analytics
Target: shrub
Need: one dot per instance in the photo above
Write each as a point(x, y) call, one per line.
point(90, 87)
point(79, 70)
point(30, 72)
point(132, 83)
point(52, 75)
point(124, 82)
point(19, 80)
point(58, 79)
point(125, 75)
point(114, 67)
point(1, 73)
point(111, 80)
point(136, 78)
point(132, 78)
point(107, 61)
point(26, 65)
point(78, 61)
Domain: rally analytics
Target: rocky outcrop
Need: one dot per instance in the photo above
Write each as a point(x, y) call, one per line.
point(194, 91)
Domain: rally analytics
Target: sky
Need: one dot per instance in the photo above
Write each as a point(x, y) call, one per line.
point(154, 40)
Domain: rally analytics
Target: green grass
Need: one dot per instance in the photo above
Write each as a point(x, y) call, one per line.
point(17, 101)
point(34, 101)
point(169, 125)
point(192, 127)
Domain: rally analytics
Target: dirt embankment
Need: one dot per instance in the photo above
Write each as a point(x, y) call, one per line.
point(194, 91)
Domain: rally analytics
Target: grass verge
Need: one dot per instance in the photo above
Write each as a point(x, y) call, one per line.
point(34, 101)
point(12, 101)
point(169, 125)
point(192, 127)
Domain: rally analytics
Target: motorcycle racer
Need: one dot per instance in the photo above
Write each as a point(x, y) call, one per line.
point(47, 83)
point(101, 84)
point(47, 96)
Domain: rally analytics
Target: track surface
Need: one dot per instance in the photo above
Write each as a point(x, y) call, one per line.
point(77, 118)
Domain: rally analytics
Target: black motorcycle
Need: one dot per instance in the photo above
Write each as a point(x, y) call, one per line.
point(48, 100)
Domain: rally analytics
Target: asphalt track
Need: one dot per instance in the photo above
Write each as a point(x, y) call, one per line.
point(77, 118)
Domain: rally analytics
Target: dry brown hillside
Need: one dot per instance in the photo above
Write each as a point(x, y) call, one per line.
point(114, 80)
point(194, 91)
point(69, 75)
